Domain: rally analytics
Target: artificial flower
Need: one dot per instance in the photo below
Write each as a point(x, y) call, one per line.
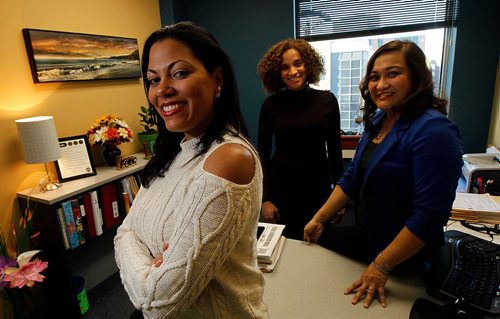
point(26, 274)
point(21, 271)
point(109, 130)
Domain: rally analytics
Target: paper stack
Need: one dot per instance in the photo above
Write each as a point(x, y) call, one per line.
point(476, 208)
point(269, 245)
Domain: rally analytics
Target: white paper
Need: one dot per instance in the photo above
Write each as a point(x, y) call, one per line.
point(75, 160)
point(475, 202)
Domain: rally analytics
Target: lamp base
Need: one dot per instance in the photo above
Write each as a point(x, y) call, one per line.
point(47, 183)
point(49, 186)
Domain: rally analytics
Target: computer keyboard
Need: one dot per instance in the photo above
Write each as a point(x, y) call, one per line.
point(474, 271)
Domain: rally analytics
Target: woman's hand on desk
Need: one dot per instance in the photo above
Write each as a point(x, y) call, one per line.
point(370, 282)
point(312, 231)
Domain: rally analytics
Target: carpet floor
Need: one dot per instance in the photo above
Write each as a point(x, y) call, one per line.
point(109, 300)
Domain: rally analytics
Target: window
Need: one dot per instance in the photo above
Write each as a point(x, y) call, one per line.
point(347, 32)
point(346, 59)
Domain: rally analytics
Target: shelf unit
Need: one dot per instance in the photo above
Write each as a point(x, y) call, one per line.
point(105, 174)
point(93, 260)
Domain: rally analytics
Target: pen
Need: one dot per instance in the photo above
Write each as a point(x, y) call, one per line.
point(479, 185)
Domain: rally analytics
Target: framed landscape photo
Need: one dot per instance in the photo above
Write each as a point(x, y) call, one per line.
point(76, 159)
point(56, 56)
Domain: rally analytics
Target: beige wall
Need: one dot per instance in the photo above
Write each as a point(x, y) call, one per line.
point(74, 105)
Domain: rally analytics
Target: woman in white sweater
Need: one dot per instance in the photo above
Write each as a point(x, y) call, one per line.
point(187, 249)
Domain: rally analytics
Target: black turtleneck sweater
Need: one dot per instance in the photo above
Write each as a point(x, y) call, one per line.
point(304, 127)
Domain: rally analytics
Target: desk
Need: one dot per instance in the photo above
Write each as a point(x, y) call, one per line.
point(309, 281)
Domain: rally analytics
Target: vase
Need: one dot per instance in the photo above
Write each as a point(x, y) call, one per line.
point(23, 303)
point(110, 153)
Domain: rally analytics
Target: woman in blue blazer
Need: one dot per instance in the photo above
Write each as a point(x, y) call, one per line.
point(403, 176)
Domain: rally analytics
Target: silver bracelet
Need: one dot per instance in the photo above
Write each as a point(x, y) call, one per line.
point(382, 270)
point(386, 264)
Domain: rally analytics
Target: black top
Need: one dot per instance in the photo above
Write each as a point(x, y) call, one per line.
point(304, 127)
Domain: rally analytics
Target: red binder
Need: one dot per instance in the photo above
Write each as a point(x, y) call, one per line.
point(110, 211)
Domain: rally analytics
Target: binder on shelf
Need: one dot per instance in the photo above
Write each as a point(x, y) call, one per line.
point(77, 215)
point(110, 211)
point(70, 224)
point(96, 211)
point(62, 225)
point(89, 225)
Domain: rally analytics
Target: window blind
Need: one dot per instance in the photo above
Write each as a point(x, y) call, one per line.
point(334, 19)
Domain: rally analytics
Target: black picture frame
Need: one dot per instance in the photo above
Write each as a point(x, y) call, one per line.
point(76, 159)
point(56, 56)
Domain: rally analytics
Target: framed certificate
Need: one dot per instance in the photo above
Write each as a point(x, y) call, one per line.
point(76, 159)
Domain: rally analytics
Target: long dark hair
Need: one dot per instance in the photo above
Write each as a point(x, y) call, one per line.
point(227, 116)
point(422, 96)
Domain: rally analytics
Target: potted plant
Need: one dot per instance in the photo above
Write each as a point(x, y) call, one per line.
point(148, 136)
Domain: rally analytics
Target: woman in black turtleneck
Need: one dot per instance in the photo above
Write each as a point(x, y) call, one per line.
point(304, 125)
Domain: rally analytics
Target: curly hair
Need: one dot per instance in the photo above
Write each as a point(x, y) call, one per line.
point(269, 66)
point(227, 113)
point(422, 96)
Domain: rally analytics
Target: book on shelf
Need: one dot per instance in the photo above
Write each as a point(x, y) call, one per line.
point(134, 185)
point(269, 244)
point(110, 211)
point(83, 213)
point(96, 211)
point(62, 224)
point(88, 220)
point(130, 185)
point(123, 199)
point(70, 224)
point(126, 203)
point(77, 215)
point(125, 186)
point(475, 208)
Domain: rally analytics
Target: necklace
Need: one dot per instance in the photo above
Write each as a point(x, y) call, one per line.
point(383, 131)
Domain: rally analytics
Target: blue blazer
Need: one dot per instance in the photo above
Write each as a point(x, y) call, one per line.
point(410, 180)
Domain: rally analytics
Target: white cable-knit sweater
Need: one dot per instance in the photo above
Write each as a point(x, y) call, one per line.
point(210, 267)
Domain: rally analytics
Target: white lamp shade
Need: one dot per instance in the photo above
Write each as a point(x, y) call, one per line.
point(39, 139)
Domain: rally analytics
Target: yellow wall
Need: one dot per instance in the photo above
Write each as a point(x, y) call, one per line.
point(74, 105)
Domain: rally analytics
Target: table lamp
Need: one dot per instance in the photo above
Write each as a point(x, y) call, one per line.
point(40, 145)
